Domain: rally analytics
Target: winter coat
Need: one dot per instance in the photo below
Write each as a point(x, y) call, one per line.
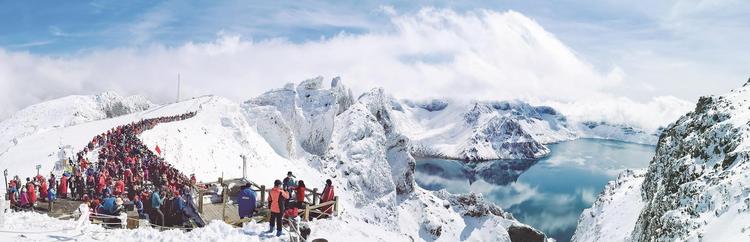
point(24, 200)
point(31, 190)
point(276, 199)
point(51, 195)
point(108, 205)
point(328, 195)
point(43, 189)
point(156, 201)
point(300, 194)
point(246, 203)
point(289, 183)
point(62, 189)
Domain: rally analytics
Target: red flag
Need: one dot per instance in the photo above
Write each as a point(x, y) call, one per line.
point(158, 150)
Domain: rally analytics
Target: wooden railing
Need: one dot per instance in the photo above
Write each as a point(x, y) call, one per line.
point(312, 201)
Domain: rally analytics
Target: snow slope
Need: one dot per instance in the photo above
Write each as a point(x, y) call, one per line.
point(614, 213)
point(64, 112)
point(696, 186)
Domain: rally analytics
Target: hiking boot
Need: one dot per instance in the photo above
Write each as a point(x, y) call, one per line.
point(278, 233)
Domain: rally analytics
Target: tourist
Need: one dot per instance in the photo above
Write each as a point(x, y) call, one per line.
point(246, 201)
point(276, 200)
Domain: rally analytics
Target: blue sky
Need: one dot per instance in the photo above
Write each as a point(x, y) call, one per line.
point(638, 51)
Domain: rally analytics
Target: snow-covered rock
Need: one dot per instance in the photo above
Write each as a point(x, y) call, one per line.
point(480, 130)
point(620, 132)
point(64, 112)
point(298, 120)
point(613, 215)
point(696, 186)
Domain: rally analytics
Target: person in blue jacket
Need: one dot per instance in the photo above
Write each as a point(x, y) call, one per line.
point(108, 205)
point(246, 201)
point(139, 207)
point(156, 202)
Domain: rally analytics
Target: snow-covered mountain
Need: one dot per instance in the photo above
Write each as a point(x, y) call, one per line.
point(696, 186)
point(64, 112)
point(491, 130)
point(331, 135)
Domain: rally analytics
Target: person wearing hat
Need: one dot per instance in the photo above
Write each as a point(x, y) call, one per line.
point(276, 201)
point(289, 182)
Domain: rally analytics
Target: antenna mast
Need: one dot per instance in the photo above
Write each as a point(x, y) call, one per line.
point(178, 87)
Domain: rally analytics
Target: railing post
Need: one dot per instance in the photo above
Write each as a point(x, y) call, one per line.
point(262, 195)
point(307, 212)
point(336, 205)
point(315, 196)
point(200, 201)
point(224, 204)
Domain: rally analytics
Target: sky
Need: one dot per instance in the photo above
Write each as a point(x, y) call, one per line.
point(640, 62)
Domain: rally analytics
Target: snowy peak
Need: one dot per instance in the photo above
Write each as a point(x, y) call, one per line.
point(299, 120)
point(481, 130)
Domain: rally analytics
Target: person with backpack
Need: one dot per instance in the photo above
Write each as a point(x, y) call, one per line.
point(247, 201)
point(276, 201)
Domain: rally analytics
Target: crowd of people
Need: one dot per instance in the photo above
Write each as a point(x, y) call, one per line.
point(116, 170)
point(284, 201)
point(124, 173)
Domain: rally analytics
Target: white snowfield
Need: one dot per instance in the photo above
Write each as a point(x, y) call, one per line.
point(318, 133)
point(696, 188)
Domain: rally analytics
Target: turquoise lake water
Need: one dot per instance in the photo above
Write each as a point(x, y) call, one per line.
point(548, 194)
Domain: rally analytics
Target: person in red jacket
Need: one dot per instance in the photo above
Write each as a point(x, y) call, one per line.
point(276, 201)
point(101, 184)
point(42, 188)
point(119, 187)
point(62, 188)
point(327, 196)
point(128, 175)
point(300, 191)
point(31, 191)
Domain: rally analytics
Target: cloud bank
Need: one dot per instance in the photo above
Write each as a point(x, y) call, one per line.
point(476, 55)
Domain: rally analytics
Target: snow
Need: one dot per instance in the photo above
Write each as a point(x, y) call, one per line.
point(360, 149)
point(695, 188)
point(480, 130)
point(64, 112)
point(613, 215)
point(29, 226)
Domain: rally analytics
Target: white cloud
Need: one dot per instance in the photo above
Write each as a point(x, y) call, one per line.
point(472, 55)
